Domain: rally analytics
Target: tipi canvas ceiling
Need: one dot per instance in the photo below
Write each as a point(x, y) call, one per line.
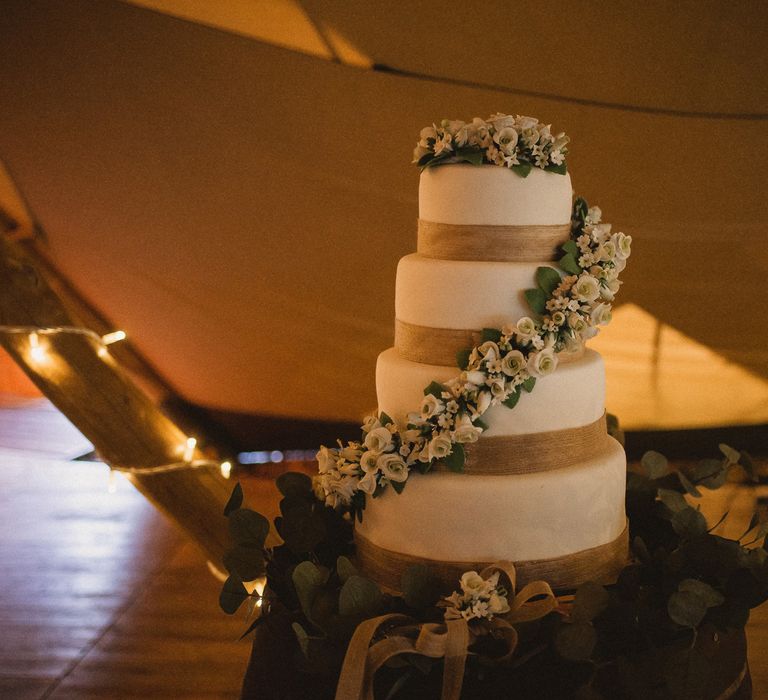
point(239, 207)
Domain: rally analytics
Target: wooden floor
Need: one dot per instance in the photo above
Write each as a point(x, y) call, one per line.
point(101, 598)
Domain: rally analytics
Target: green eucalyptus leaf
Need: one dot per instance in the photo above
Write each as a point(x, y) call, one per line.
point(470, 155)
point(528, 384)
point(674, 500)
point(733, 456)
point(303, 527)
point(345, 568)
point(233, 595)
point(655, 464)
point(235, 499)
point(576, 641)
point(689, 523)
point(359, 597)
point(569, 264)
point(435, 389)
point(302, 637)
point(245, 561)
point(294, 484)
point(570, 246)
point(455, 460)
point(548, 279)
point(590, 600)
point(522, 169)
point(686, 608)
point(688, 485)
point(462, 358)
point(748, 465)
point(537, 300)
point(421, 589)
point(493, 334)
point(307, 580)
point(513, 398)
point(709, 595)
point(560, 169)
point(248, 527)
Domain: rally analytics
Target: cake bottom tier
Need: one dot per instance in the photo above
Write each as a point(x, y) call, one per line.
point(573, 516)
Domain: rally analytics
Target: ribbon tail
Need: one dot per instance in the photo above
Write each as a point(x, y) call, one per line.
point(456, 644)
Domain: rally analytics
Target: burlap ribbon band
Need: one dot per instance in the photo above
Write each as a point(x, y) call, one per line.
point(439, 346)
point(505, 455)
point(527, 243)
point(602, 563)
point(450, 640)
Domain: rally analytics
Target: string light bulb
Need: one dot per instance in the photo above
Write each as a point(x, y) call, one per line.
point(114, 337)
point(189, 449)
point(36, 350)
point(226, 469)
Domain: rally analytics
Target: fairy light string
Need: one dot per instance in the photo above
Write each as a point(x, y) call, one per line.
point(38, 353)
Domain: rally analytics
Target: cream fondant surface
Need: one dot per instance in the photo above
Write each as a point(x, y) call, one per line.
point(572, 396)
point(458, 517)
point(493, 196)
point(462, 294)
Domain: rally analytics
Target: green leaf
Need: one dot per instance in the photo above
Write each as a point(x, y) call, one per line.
point(674, 500)
point(303, 526)
point(710, 473)
point(590, 600)
point(480, 423)
point(548, 279)
point(686, 483)
point(235, 499)
point(559, 169)
point(233, 595)
point(576, 641)
point(359, 597)
point(384, 419)
point(435, 389)
point(580, 208)
point(425, 159)
point(470, 156)
point(345, 568)
point(709, 595)
point(245, 561)
point(455, 460)
point(462, 358)
point(571, 247)
point(748, 465)
point(537, 300)
point(522, 169)
point(421, 589)
point(513, 398)
point(569, 264)
point(398, 486)
point(307, 580)
point(689, 523)
point(528, 384)
point(294, 484)
point(655, 464)
point(733, 456)
point(248, 527)
point(302, 637)
point(493, 334)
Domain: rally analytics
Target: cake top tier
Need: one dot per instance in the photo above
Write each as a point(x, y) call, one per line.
point(487, 195)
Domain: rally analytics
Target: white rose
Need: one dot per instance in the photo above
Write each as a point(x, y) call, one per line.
point(452, 126)
point(606, 251)
point(576, 322)
point(431, 406)
point(558, 318)
point(507, 139)
point(601, 232)
point(440, 447)
point(522, 122)
point(426, 134)
point(368, 483)
point(586, 288)
point(497, 604)
point(465, 431)
point(378, 440)
point(619, 264)
point(601, 315)
point(594, 215)
point(530, 137)
point(542, 363)
point(501, 121)
point(489, 351)
point(351, 453)
point(326, 459)
point(466, 135)
point(475, 377)
point(368, 461)
point(497, 387)
point(512, 363)
point(393, 467)
point(369, 423)
point(526, 328)
point(472, 583)
point(623, 244)
point(483, 402)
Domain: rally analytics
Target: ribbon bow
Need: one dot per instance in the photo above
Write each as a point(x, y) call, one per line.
point(449, 640)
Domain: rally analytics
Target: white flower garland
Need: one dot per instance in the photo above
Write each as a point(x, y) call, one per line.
point(507, 362)
point(480, 599)
point(518, 142)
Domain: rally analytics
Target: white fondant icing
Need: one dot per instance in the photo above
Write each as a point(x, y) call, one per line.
point(572, 396)
point(458, 517)
point(493, 196)
point(462, 294)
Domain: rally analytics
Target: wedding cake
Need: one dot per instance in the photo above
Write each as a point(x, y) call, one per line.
point(510, 441)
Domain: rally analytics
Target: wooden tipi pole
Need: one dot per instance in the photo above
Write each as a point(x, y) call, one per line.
point(98, 397)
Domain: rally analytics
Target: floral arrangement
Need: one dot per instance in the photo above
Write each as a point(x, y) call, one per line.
point(519, 143)
point(568, 308)
point(684, 587)
point(480, 598)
